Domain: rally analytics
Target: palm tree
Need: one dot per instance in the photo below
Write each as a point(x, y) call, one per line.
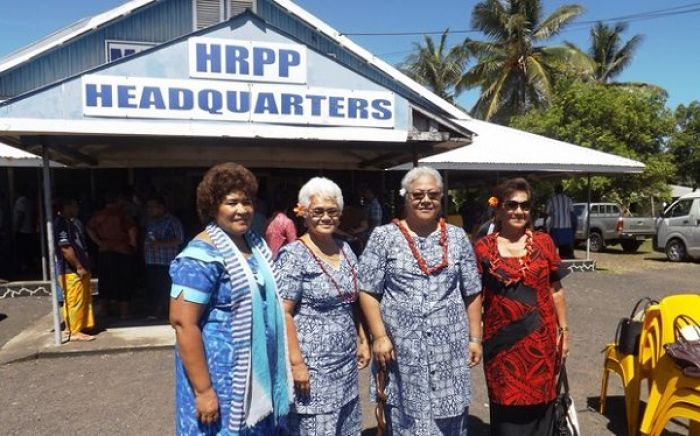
point(436, 67)
point(609, 53)
point(515, 70)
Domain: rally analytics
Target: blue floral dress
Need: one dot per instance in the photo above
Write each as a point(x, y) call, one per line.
point(428, 386)
point(199, 274)
point(328, 339)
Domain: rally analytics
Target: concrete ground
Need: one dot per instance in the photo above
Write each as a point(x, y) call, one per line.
point(131, 393)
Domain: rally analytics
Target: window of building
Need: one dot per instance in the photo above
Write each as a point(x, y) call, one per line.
point(210, 12)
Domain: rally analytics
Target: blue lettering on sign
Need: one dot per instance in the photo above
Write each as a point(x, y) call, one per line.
point(266, 104)
point(288, 58)
point(381, 112)
point(292, 103)
point(357, 108)
point(92, 95)
point(126, 97)
point(237, 60)
point(261, 57)
point(238, 102)
point(151, 97)
point(316, 104)
point(208, 61)
point(180, 99)
point(211, 101)
point(335, 106)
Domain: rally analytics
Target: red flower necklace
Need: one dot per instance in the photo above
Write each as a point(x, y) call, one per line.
point(417, 255)
point(345, 297)
point(524, 261)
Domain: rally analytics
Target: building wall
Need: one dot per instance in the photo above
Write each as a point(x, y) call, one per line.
point(158, 23)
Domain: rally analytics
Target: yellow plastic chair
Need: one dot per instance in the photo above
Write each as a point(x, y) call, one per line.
point(663, 369)
point(632, 369)
point(679, 390)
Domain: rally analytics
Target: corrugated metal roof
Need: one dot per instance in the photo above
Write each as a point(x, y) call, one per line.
point(68, 33)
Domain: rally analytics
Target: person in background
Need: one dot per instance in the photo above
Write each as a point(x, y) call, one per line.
point(421, 297)
point(163, 237)
point(24, 230)
point(372, 208)
point(279, 230)
point(559, 210)
point(115, 234)
point(352, 224)
point(327, 343)
point(73, 268)
point(231, 359)
point(5, 227)
point(526, 334)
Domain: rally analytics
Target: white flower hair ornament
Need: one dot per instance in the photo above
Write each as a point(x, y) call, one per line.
point(402, 192)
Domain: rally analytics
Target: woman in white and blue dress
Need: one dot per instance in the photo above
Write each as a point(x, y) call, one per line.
point(422, 303)
point(327, 345)
point(232, 375)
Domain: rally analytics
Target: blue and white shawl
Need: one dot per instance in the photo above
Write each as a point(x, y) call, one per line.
point(260, 387)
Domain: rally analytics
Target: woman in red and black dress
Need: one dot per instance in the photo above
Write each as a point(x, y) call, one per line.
point(525, 330)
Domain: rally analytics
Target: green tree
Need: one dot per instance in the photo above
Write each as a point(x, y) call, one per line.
point(609, 53)
point(685, 144)
point(635, 125)
point(436, 67)
point(515, 69)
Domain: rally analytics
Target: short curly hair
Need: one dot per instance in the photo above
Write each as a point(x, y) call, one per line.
point(219, 181)
point(506, 189)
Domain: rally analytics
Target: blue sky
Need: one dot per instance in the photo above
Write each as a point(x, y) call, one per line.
point(668, 57)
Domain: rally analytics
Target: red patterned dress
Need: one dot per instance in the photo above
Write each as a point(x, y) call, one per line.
point(520, 324)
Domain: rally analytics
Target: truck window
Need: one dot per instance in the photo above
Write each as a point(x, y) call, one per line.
point(579, 209)
point(595, 209)
point(682, 208)
point(614, 210)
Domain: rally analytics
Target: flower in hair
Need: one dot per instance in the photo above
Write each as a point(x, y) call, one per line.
point(402, 192)
point(493, 202)
point(299, 210)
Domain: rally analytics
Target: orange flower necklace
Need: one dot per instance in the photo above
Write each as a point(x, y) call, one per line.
point(417, 255)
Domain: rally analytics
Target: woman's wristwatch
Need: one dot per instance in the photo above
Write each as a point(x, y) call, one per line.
point(475, 339)
point(564, 329)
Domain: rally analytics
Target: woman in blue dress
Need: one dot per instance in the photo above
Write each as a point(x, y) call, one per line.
point(421, 299)
point(327, 344)
point(231, 365)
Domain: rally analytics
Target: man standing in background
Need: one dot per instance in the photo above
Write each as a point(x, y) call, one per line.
point(559, 210)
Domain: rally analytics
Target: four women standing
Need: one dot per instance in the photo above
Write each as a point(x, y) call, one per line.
point(419, 288)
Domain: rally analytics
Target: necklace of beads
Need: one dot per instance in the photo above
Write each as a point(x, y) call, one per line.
point(416, 253)
point(344, 296)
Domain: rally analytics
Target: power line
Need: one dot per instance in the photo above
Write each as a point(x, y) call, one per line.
point(641, 16)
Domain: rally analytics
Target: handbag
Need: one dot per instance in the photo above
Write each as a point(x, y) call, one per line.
point(685, 352)
point(630, 329)
point(381, 402)
point(565, 418)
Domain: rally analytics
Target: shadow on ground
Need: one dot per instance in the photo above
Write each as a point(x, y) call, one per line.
point(617, 416)
point(2, 316)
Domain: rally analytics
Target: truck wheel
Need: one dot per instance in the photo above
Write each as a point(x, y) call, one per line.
point(630, 246)
point(675, 250)
point(597, 242)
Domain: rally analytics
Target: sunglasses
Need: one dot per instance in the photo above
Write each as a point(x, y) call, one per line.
point(513, 205)
point(432, 195)
point(319, 212)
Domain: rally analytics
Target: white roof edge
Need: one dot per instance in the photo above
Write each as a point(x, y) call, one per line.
point(372, 59)
point(33, 50)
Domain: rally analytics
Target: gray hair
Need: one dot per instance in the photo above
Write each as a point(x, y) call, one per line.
point(417, 173)
point(320, 187)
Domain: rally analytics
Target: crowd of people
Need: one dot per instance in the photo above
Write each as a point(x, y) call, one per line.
point(271, 335)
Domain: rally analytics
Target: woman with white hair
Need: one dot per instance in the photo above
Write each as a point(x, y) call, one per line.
point(327, 344)
point(420, 294)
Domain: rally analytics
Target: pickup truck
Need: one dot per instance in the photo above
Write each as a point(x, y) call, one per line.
point(610, 227)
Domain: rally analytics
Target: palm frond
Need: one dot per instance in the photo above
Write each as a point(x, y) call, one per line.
point(553, 24)
point(490, 17)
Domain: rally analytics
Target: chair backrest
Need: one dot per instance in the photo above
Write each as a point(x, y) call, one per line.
point(650, 339)
point(671, 307)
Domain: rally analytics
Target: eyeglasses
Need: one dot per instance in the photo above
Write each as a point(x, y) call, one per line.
point(319, 212)
point(432, 195)
point(513, 205)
